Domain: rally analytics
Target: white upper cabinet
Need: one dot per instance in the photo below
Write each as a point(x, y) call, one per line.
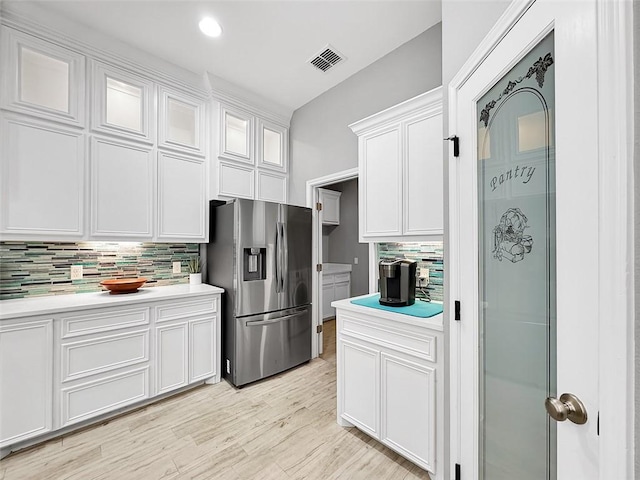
point(181, 198)
point(122, 190)
point(122, 103)
point(272, 146)
point(235, 180)
point(271, 187)
point(400, 161)
point(42, 180)
point(380, 165)
point(181, 122)
point(236, 135)
point(423, 175)
point(252, 157)
point(330, 200)
point(42, 79)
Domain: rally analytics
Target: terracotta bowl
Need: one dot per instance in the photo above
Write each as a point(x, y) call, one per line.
point(123, 285)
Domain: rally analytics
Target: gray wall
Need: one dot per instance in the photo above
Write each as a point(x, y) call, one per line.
point(320, 139)
point(343, 238)
point(464, 25)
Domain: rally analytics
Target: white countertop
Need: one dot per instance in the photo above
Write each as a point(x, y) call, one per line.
point(435, 323)
point(333, 268)
point(23, 307)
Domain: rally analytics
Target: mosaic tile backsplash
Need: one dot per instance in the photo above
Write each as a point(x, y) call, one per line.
point(29, 269)
point(428, 255)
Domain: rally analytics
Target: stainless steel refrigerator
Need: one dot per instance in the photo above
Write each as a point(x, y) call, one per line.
point(260, 253)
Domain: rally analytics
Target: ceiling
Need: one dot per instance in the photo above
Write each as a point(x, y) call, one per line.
point(265, 44)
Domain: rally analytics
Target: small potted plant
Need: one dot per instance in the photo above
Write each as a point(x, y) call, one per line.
point(195, 273)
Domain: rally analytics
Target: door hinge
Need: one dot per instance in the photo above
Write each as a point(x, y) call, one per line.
point(456, 145)
point(456, 307)
point(318, 206)
point(319, 329)
point(319, 267)
point(457, 472)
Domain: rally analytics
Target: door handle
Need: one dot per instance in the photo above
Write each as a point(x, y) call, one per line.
point(284, 273)
point(259, 323)
point(278, 255)
point(567, 407)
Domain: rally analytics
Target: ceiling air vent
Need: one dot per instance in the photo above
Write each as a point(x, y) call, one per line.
point(326, 59)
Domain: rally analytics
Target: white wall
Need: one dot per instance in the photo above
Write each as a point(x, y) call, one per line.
point(464, 25)
point(321, 141)
point(636, 76)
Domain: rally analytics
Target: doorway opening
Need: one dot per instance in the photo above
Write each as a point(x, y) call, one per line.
point(344, 261)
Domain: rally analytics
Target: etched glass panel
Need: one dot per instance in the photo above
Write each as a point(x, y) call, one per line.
point(271, 151)
point(124, 105)
point(236, 132)
point(44, 80)
point(181, 122)
point(516, 203)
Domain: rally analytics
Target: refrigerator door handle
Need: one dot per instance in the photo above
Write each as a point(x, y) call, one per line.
point(284, 274)
point(258, 323)
point(278, 247)
point(281, 245)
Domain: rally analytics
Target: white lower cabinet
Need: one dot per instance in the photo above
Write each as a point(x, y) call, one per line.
point(408, 420)
point(104, 361)
point(186, 342)
point(71, 367)
point(87, 400)
point(202, 340)
point(335, 286)
point(386, 381)
point(171, 354)
point(26, 379)
point(360, 382)
point(185, 352)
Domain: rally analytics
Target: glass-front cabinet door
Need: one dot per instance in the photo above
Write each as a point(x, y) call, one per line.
point(122, 103)
point(517, 270)
point(236, 135)
point(42, 79)
point(182, 122)
point(272, 146)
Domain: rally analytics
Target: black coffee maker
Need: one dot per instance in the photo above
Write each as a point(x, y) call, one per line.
point(398, 282)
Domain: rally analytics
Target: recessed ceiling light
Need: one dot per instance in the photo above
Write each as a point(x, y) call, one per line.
point(210, 27)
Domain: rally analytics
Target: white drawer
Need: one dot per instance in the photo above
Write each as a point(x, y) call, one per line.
point(90, 399)
point(404, 338)
point(103, 321)
point(327, 279)
point(186, 308)
point(342, 277)
point(89, 357)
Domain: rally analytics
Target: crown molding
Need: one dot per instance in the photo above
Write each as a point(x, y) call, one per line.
point(428, 102)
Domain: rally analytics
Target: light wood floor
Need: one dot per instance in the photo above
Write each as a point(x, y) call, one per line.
point(281, 428)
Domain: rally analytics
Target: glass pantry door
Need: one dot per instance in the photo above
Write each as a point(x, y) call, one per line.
point(517, 270)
